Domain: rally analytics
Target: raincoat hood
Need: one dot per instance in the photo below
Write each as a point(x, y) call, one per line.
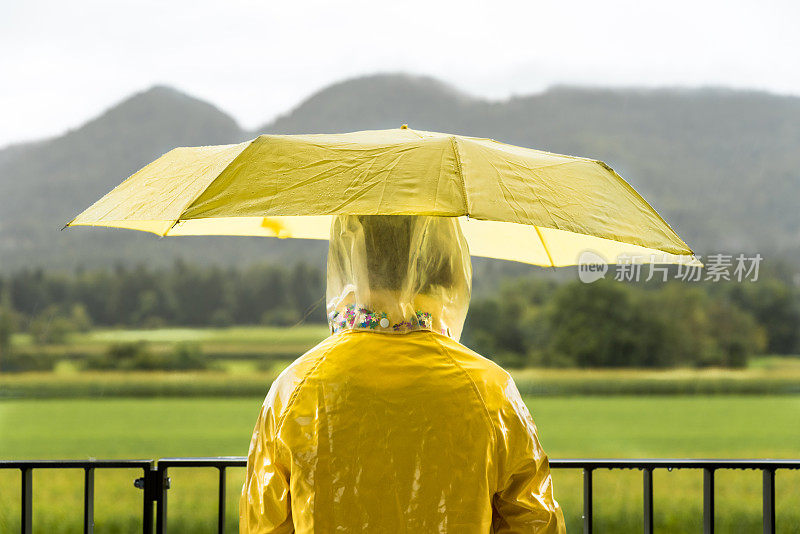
point(397, 274)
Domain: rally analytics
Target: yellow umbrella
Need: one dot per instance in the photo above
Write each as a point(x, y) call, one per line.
point(513, 203)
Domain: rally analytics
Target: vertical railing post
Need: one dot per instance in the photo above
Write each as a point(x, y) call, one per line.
point(587, 500)
point(221, 507)
point(88, 500)
point(155, 485)
point(26, 501)
point(769, 500)
point(708, 500)
point(647, 482)
point(162, 485)
point(147, 498)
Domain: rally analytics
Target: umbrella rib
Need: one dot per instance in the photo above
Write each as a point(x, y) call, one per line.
point(547, 251)
point(209, 184)
point(460, 169)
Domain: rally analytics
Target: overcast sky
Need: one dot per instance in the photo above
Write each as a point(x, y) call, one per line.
point(62, 63)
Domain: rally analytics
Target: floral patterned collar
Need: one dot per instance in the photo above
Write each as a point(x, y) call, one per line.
point(356, 317)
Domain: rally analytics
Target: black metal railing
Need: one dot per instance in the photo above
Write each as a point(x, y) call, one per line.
point(767, 467)
point(89, 466)
point(155, 482)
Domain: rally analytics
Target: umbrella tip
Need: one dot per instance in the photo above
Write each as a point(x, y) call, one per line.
point(404, 127)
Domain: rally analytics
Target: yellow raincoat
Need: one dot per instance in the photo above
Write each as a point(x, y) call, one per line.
point(390, 425)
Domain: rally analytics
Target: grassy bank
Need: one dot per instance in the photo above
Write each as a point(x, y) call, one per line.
point(243, 361)
point(244, 378)
point(243, 341)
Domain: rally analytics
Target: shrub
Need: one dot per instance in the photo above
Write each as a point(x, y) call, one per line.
point(8, 323)
point(280, 317)
point(79, 317)
point(51, 327)
point(153, 322)
point(15, 362)
point(222, 318)
point(138, 357)
point(186, 356)
point(119, 356)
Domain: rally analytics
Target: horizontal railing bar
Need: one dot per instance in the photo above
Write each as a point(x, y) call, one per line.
point(75, 464)
point(222, 461)
point(570, 463)
point(673, 464)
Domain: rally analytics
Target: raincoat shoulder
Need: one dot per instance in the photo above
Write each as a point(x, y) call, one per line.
point(289, 381)
point(524, 500)
point(265, 502)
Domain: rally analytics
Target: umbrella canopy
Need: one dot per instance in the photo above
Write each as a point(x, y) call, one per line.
point(513, 203)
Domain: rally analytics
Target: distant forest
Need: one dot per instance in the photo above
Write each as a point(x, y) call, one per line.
point(528, 321)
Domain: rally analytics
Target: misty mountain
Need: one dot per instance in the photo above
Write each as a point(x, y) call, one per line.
point(721, 166)
point(45, 184)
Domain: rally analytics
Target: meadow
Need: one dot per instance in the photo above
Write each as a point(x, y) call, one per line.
point(682, 413)
point(671, 426)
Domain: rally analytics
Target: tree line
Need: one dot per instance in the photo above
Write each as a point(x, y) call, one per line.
point(535, 322)
point(48, 304)
point(531, 321)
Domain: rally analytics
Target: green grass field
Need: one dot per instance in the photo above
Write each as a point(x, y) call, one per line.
point(673, 426)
